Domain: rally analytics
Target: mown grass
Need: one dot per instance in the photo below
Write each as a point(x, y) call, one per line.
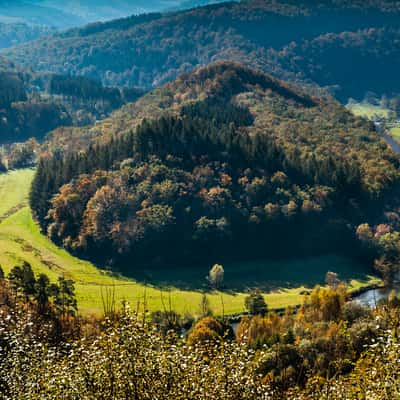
point(21, 239)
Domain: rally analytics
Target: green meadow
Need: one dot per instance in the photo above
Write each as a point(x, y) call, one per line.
point(394, 130)
point(182, 288)
point(368, 110)
point(372, 111)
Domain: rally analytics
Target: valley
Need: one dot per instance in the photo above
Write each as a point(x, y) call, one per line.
point(20, 239)
point(283, 280)
point(199, 199)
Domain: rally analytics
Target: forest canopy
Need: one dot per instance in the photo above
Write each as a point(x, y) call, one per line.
point(304, 41)
point(231, 159)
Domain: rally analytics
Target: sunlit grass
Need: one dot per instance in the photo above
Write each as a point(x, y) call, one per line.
point(21, 240)
point(395, 132)
point(368, 110)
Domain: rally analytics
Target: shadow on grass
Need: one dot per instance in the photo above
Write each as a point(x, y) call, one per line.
point(267, 275)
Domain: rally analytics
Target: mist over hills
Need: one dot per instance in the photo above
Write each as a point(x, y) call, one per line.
point(22, 21)
point(12, 34)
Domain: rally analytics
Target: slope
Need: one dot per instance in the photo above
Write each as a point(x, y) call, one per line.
point(226, 163)
point(33, 104)
point(301, 41)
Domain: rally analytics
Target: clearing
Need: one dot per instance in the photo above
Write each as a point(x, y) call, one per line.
point(368, 110)
point(377, 113)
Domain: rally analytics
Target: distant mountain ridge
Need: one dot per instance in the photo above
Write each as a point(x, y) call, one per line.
point(34, 12)
point(328, 43)
point(62, 14)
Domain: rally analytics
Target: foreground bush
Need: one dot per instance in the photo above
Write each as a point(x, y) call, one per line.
point(376, 376)
point(128, 360)
point(328, 349)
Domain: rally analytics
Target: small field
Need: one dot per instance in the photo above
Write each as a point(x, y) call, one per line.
point(368, 110)
point(373, 112)
point(394, 130)
point(283, 282)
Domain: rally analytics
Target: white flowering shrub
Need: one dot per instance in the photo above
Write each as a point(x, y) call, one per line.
point(129, 359)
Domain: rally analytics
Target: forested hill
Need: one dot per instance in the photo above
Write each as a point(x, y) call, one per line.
point(223, 162)
point(349, 45)
point(33, 104)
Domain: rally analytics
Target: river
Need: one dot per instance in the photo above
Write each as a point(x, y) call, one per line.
point(371, 297)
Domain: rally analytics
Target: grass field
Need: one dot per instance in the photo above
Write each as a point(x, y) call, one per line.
point(20, 239)
point(371, 111)
point(395, 131)
point(368, 110)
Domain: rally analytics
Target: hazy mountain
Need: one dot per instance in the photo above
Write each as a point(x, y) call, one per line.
point(15, 33)
point(68, 13)
point(34, 12)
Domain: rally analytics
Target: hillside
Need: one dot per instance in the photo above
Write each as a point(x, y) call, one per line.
point(23, 116)
point(35, 12)
point(300, 41)
point(199, 203)
point(224, 163)
point(33, 104)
